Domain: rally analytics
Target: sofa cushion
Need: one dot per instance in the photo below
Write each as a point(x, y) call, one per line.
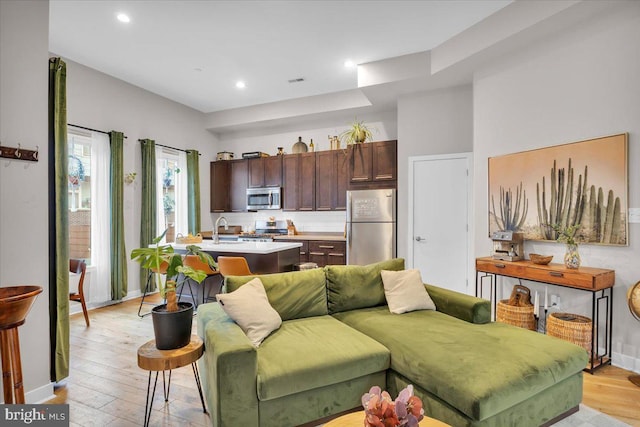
point(479, 369)
point(249, 307)
point(353, 286)
point(405, 291)
point(293, 295)
point(314, 352)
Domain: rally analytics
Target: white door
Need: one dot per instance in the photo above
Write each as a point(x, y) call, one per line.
point(439, 197)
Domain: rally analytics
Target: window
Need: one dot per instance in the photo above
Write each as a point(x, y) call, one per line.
point(171, 167)
point(89, 212)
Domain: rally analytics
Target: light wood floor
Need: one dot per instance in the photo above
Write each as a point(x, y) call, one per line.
point(106, 387)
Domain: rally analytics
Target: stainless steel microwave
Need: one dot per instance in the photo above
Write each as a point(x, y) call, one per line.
point(264, 198)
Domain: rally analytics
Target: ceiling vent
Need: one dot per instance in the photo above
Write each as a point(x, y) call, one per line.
point(298, 80)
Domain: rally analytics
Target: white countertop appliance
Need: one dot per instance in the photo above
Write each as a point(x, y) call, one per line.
point(371, 226)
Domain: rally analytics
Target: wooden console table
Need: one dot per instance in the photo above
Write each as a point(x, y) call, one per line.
point(598, 281)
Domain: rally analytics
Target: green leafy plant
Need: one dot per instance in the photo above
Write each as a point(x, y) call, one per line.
point(159, 258)
point(566, 234)
point(356, 134)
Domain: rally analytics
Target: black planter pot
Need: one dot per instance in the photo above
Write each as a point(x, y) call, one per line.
point(172, 329)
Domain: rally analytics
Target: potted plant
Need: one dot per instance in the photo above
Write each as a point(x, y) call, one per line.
point(356, 134)
point(172, 321)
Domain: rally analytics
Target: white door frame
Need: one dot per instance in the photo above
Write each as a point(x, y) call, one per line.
point(470, 253)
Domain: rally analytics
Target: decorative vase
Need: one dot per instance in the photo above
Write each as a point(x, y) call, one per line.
point(572, 257)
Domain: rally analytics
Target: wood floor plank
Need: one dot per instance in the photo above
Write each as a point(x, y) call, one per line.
point(106, 388)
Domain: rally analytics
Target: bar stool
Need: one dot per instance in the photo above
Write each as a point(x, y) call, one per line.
point(78, 266)
point(233, 266)
point(15, 303)
point(163, 270)
point(194, 262)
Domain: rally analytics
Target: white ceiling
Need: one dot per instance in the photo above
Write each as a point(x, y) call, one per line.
point(193, 52)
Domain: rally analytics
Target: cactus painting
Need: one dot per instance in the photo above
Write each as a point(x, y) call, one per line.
point(579, 183)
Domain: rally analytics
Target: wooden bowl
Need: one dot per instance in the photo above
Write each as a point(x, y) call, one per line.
point(540, 259)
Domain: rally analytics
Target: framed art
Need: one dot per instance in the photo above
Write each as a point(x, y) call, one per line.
point(582, 183)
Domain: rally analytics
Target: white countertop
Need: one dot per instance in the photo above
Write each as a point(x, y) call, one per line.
point(242, 247)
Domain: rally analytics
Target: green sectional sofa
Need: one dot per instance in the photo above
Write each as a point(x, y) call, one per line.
point(338, 339)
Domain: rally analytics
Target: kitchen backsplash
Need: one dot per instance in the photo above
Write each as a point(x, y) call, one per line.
point(328, 222)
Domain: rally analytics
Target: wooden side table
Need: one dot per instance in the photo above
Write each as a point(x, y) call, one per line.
point(152, 359)
point(356, 419)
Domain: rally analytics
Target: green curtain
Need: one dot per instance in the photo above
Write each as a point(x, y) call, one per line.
point(193, 187)
point(148, 221)
point(58, 221)
point(118, 250)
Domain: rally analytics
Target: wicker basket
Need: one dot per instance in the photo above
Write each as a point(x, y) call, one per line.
point(520, 316)
point(571, 327)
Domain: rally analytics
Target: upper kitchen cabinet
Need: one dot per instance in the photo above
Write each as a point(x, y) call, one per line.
point(219, 188)
point(299, 179)
point(331, 180)
point(265, 172)
point(373, 165)
point(238, 183)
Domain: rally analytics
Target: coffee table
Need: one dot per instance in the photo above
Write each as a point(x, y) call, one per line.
point(356, 419)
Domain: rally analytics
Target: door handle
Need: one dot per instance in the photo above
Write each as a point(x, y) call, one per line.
point(420, 239)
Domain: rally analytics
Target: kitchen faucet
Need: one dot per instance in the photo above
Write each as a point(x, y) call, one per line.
point(216, 237)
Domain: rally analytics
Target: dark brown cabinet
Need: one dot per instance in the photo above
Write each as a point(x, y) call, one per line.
point(265, 172)
point(238, 182)
point(219, 188)
point(327, 252)
point(373, 165)
point(304, 249)
point(331, 180)
point(299, 179)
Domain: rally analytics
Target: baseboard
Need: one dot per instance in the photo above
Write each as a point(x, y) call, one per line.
point(40, 395)
point(625, 362)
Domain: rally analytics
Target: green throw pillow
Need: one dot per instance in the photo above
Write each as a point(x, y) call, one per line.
point(350, 287)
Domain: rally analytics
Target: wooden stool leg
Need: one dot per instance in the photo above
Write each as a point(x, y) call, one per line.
point(6, 367)
point(16, 363)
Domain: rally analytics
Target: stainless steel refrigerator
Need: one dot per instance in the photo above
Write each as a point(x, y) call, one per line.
point(371, 226)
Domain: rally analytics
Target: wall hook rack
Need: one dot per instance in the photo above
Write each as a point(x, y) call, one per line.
point(18, 153)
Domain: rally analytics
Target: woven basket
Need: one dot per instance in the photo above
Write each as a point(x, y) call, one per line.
point(571, 327)
point(520, 316)
point(189, 239)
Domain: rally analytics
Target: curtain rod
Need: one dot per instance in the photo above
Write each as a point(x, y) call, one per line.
point(92, 130)
point(172, 148)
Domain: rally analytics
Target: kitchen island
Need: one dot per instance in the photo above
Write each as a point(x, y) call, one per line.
point(263, 257)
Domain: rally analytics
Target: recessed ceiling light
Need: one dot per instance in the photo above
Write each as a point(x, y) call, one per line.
point(240, 84)
point(349, 63)
point(123, 17)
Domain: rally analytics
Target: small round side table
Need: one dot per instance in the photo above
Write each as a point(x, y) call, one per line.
point(152, 359)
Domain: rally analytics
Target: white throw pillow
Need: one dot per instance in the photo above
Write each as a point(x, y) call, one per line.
point(249, 307)
point(405, 291)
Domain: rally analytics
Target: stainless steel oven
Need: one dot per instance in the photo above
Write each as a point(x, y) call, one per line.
point(264, 198)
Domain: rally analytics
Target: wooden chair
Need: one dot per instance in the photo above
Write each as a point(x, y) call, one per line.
point(78, 266)
point(233, 266)
point(194, 262)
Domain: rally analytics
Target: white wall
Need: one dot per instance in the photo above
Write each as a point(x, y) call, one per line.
point(578, 85)
point(102, 102)
point(24, 252)
point(430, 123)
